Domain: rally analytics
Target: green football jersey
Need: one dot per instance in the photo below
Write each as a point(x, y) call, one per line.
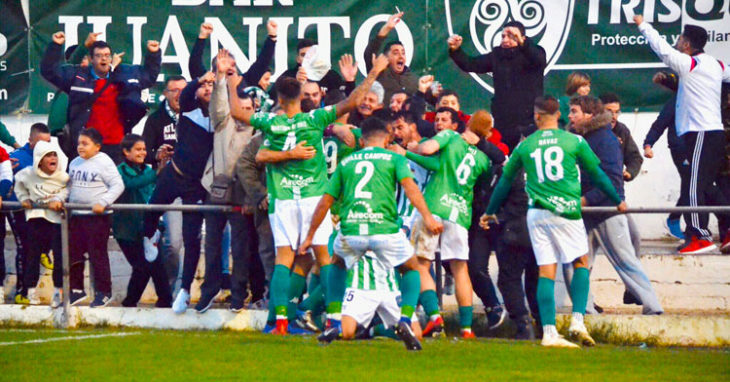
point(449, 193)
point(295, 179)
point(370, 274)
point(550, 158)
point(364, 184)
point(335, 150)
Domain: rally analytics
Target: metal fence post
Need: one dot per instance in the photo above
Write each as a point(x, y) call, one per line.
point(65, 321)
point(439, 283)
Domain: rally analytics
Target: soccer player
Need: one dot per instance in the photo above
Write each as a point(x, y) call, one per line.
point(365, 183)
point(295, 186)
point(372, 287)
point(449, 194)
point(549, 157)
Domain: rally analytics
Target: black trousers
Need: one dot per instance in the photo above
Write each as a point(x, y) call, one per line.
point(171, 185)
point(514, 261)
point(480, 248)
point(704, 152)
point(243, 247)
point(42, 237)
point(19, 227)
point(142, 271)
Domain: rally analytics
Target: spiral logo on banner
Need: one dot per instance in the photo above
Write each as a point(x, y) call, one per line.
point(547, 22)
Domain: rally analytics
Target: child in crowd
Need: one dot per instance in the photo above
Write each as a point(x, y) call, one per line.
point(139, 182)
point(94, 180)
point(43, 183)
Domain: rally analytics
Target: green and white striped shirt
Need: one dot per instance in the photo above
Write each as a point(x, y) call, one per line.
point(370, 274)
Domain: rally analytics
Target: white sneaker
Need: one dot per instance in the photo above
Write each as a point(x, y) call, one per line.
point(57, 300)
point(33, 298)
point(150, 246)
point(181, 302)
point(578, 332)
point(557, 342)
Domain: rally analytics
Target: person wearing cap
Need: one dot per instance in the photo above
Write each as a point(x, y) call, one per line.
point(697, 120)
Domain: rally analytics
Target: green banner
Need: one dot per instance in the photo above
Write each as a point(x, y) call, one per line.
point(594, 36)
point(14, 73)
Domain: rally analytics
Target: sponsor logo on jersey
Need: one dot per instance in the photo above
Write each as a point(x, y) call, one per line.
point(454, 201)
point(362, 211)
point(297, 181)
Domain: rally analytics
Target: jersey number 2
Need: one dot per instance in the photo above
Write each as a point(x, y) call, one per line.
point(553, 166)
point(369, 168)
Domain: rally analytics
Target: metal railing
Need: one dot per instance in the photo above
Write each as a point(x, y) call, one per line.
point(69, 207)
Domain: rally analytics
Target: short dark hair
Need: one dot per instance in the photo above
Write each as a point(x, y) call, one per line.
point(454, 114)
point(333, 97)
point(305, 43)
point(176, 77)
point(609, 97)
point(288, 88)
point(447, 93)
point(130, 140)
point(407, 115)
point(307, 105)
point(696, 35)
point(387, 46)
point(98, 45)
point(39, 128)
point(547, 105)
point(588, 104)
point(517, 25)
point(373, 126)
point(92, 134)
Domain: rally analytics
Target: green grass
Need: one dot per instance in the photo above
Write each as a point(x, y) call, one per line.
point(167, 355)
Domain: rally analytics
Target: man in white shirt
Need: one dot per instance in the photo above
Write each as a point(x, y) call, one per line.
point(698, 119)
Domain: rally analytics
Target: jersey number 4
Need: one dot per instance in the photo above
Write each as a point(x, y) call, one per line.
point(552, 168)
point(290, 142)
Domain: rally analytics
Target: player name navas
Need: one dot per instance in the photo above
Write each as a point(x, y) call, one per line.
point(548, 141)
point(367, 156)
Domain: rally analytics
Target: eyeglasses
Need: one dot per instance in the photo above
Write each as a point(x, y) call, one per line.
point(107, 56)
point(173, 91)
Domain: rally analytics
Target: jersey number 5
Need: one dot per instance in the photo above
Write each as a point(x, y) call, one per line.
point(369, 168)
point(553, 166)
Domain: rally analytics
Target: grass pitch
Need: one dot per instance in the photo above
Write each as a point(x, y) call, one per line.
point(109, 354)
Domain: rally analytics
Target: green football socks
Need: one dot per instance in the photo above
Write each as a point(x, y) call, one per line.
point(336, 292)
point(430, 303)
point(579, 289)
point(546, 300)
point(280, 290)
point(465, 316)
point(297, 283)
point(409, 288)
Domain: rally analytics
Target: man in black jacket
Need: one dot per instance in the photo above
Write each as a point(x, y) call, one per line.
point(517, 66)
point(632, 156)
point(159, 130)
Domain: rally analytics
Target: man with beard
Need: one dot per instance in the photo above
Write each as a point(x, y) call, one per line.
point(517, 66)
point(398, 77)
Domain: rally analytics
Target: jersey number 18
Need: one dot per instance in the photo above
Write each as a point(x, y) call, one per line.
point(552, 168)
